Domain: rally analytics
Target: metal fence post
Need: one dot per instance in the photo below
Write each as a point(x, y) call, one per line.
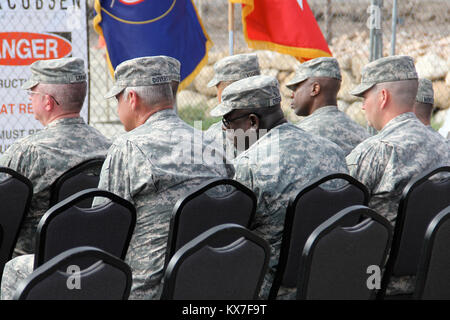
point(394, 27)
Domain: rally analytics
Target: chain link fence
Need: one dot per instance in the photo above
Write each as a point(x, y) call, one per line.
point(48, 30)
point(423, 32)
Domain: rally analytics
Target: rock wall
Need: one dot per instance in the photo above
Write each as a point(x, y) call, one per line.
point(431, 55)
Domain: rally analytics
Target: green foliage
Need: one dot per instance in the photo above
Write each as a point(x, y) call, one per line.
point(197, 113)
point(436, 125)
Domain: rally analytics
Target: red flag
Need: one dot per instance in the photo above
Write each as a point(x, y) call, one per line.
point(285, 26)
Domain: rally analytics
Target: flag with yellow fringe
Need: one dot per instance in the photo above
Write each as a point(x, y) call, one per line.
point(137, 28)
point(285, 26)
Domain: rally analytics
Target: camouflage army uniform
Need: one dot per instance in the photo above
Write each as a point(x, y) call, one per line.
point(152, 167)
point(46, 155)
point(42, 158)
point(216, 138)
point(327, 121)
point(278, 177)
point(330, 123)
point(404, 148)
point(143, 166)
point(385, 163)
point(277, 165)
point(230, 68)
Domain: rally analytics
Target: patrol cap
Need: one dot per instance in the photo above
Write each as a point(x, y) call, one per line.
point(236, 67)
point(393, 68)
point(56, 71)
point(319, 67)
point(143, 71)
point(425, 93)
point(249, 93)
point(174, 68)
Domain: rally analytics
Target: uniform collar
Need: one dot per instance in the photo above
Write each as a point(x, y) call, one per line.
point(65, 121)
point(400, 118)
point(325, 109)
point(160, 115)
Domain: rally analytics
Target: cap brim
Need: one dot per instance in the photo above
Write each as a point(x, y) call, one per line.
point(114, 91)
point(29, 84)
point(294, 82)
point(220, 110)
point(361, 88)
point(214, 82)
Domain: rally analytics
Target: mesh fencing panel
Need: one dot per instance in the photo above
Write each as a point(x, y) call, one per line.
point(31, 30)
point(423, 32)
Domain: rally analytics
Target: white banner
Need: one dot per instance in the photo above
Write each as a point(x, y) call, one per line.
point(32, 30)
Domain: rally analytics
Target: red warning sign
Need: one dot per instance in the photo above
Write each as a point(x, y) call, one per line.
point(24, 48)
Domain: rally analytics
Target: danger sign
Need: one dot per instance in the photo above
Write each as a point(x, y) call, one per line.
point(24, 48)
point(30, 33)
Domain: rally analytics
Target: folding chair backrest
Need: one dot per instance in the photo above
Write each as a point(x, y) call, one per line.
point(336, 259)
point(15, 198)
point(433, 276)
point(422, 199)
point(207, 207)
point(64, 226)
point(84, 176)
point(210, 267)
point(312, 206)
point(60, 278)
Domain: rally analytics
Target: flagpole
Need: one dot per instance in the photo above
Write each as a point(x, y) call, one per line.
point(231, 28)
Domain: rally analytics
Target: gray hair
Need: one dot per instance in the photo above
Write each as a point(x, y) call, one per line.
point(153, 95)
point(70, 97)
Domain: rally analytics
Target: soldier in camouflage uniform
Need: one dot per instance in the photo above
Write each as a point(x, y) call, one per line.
point(423, 106)
point(151, 165)
point(403, 147)
point(65, 142)
point(57, 90)
point(174, 74)
point(227, 71)
point(314, 93)
point(282, 159)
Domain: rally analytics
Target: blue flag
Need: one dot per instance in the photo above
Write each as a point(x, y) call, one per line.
point(137, 28)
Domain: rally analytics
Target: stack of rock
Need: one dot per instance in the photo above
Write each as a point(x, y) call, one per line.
point(431, 55)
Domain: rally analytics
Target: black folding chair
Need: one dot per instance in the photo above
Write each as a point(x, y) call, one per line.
point(201, 210)
point(421, 201)
point(225, 262)
point(312, 206)
point(433, 275)
point(64, 226)
point(336, 259)
point(60, 278)
point(15, 196)
point(85, 175)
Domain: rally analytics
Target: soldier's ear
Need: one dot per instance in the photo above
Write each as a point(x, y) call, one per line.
point(49, 104)
point(133, 98)
point(315, 89)
point(384, 97)
point(254, 121)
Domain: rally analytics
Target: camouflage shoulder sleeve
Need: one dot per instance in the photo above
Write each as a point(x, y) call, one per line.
point(114, 176)
point(125, 171)
point(367, 163)
point(243, 172)
point(24, 159)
